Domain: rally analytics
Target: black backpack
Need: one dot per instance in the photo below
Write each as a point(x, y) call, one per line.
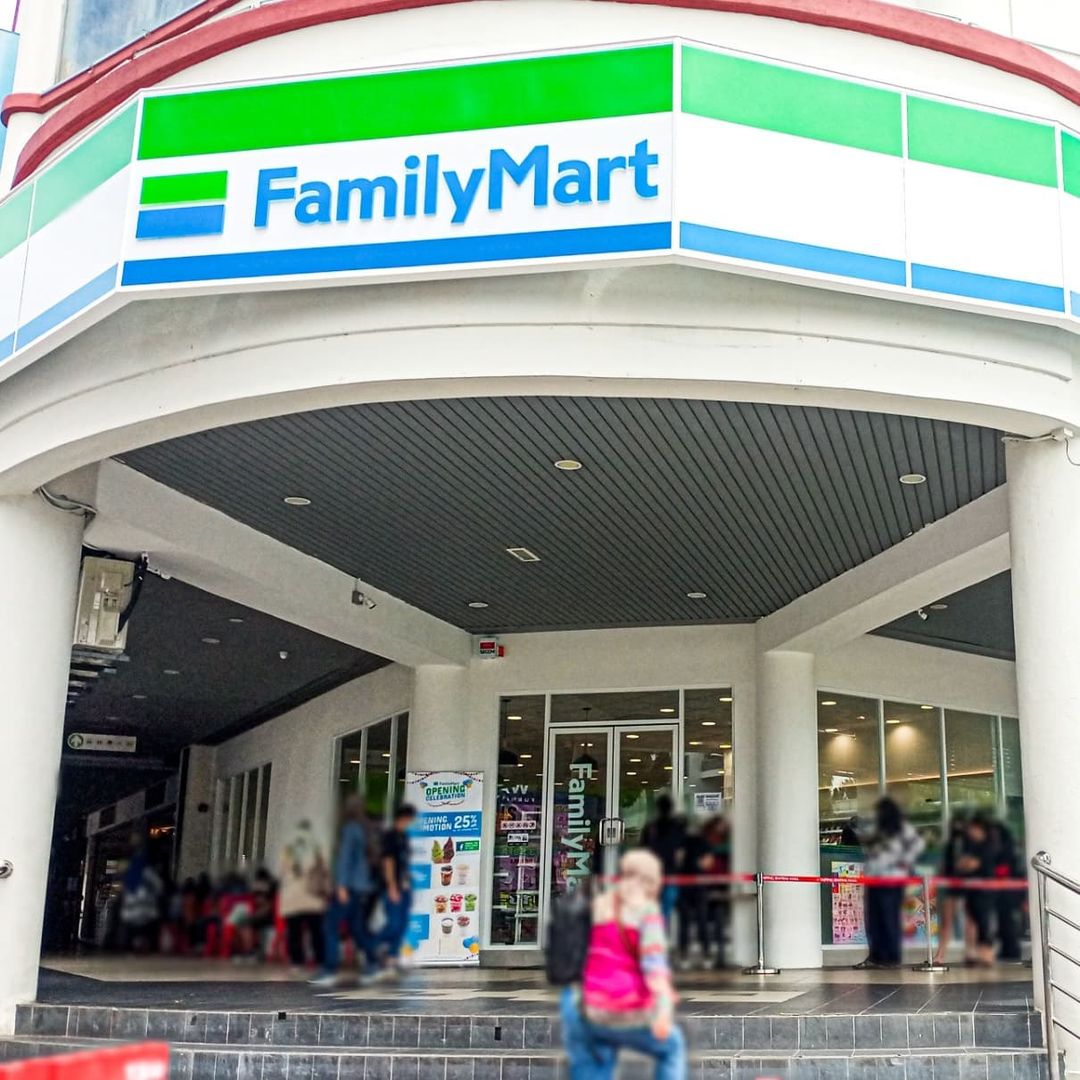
point(568, 933)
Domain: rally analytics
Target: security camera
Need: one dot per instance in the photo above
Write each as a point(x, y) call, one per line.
point(922, 614)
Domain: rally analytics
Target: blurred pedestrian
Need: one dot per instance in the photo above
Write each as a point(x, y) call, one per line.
point(976, 860)
point(950, 897)
point(1007, 901)
point(694, 898)
point(397, 883)
point(892, 847)
point(303, 892)
point(140, 902)
point(351, 903)
point(665, 837)
point(626, 999)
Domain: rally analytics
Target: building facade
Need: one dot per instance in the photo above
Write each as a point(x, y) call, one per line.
point(707, 359)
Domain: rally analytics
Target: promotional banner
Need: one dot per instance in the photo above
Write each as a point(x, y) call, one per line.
point(445, 860)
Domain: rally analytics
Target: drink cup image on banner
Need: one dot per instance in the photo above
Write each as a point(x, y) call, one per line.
point(445, 854)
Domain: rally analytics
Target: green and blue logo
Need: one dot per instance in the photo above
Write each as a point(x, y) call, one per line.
point(184, 204)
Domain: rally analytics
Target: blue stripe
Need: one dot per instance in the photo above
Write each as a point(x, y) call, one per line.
point(64, 309)
point(465, 249)
point(7, 346)
point(985, 287)
point(765, 249)
point(1074, 298)
point(181, 221)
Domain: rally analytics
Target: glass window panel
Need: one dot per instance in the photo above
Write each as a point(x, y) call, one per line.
point(251, 806)
point(401, 756)
point(236, 806)
point(1012, 781)
point(913, 763)
point(708, 782)
point(849, 762)
point(95, 28)
point(264, 812)
point(605, 708)
point(350, 766)
point(377, 770)
point(971, 754)
point(515, 918)
point(580, 788)
point(646, 771)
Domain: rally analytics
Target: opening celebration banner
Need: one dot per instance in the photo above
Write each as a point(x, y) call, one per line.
point(445, 860)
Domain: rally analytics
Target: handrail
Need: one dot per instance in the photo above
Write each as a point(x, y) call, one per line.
point(1044, 872)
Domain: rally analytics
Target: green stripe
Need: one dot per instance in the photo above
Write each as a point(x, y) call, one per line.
point(981, 142)
point(582, 86)
point(793, 102)
point(15, 219)
point(1070, 162)
point(89, 165)
point(187, 187)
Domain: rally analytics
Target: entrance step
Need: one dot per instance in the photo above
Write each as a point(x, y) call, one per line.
point(214, 1061)
point(913, 1033)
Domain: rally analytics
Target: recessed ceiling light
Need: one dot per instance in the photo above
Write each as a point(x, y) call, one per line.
point(725, 699)
point(236, 620)
point(477, 605)
point(355, 761)
point(631, 773)
point(831, 730)
point(567, 464)
point(526, 756)
point(860, 717)
point(708, 723)
point(170, 671)
point(725, 746)
point(523, 554)
point(695, 742)
point(112, 717)
point(513, 716)
point(139, 697)
point(939, 607)
point(635, 761)
point(829, 702)
point(696, 595)
point(667, 768)
point(296, 500)
point(913, 479)
point(667, 710)
point(520, 765)
point(926, 708)
point(892, 721)
point(633, 736)
point(211, 641)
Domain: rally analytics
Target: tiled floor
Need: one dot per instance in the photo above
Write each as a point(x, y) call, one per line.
point(196, 984)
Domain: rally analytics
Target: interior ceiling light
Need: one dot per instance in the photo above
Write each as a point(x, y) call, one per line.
point(513, 716)
point(831, 730)
point(296, 500)
point(477, 605)
point(725, 746)
point(139, 697)
point(696, 595)
point(708, 723)
point(526, 756)
point(170, 671)
point(633, 736)
point(726, 699)
point(913, 479)
point(926, 708)
point(892, 721)
point(829, 702)
point(523, 554)
point(695, 742)
point(236, 620)
point(629, 773)
point(635, 761)
point(939, 607)
point(568, 464)
point(667, 710)
point(211, 641)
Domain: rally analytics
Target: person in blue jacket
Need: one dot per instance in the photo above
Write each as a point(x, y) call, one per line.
point(354, 892)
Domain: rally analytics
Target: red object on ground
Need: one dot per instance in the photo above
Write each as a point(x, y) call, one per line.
point(149, 1061)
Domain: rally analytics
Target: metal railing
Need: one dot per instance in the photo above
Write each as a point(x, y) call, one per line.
point(1044, 873)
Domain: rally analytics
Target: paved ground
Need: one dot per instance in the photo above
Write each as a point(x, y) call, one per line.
point(217, 985)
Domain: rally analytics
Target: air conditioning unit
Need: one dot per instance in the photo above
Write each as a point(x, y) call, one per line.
point(104, 592)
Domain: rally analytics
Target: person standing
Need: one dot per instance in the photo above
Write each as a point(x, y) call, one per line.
point(397, 885)
point(665, 837)
point(891, 851)
point(1007, 901)
point(977, 860)
point(303, 890)
point(626, 1000)
point(354, 886)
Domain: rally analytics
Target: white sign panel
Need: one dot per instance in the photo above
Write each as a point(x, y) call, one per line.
point(444, 927)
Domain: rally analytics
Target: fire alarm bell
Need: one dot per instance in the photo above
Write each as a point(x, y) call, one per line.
point(489, 648)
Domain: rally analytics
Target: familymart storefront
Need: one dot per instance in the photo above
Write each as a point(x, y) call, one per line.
point(324, 321)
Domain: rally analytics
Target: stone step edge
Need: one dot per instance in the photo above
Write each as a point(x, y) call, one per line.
point(61, 1044)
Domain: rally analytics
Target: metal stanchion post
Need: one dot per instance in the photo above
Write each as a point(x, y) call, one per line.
point(759, 968)
point(929, 964)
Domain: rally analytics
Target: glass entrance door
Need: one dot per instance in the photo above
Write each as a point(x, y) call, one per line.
point(602, 787)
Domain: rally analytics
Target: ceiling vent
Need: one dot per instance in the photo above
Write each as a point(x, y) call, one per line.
point(523, 554)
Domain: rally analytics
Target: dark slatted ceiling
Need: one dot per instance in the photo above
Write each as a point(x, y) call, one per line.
point(752, 504)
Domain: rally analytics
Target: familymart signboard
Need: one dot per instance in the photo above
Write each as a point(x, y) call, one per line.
point(669, 151)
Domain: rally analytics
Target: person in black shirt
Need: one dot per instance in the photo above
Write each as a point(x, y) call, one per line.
point(976, 860)
point(397, 882)
point(665, 837)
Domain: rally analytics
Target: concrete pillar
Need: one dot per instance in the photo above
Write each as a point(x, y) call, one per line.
point(438, 729)
point(195, 817)
point(39, 553)
point(788, 806)
point(41, 30)
point(1044, 523)
point(742, 762)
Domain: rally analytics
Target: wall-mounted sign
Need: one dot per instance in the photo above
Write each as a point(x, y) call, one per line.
point(112, 744)
point(445, 861)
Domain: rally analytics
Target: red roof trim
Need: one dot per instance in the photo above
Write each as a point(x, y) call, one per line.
point(190, 39)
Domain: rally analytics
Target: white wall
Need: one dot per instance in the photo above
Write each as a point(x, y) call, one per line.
point(300, 746)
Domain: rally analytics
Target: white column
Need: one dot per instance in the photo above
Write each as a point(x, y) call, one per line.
point(744, 854)
point(39, 553)
point(438, 728)
point(788, 806)
point(1044, 521)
